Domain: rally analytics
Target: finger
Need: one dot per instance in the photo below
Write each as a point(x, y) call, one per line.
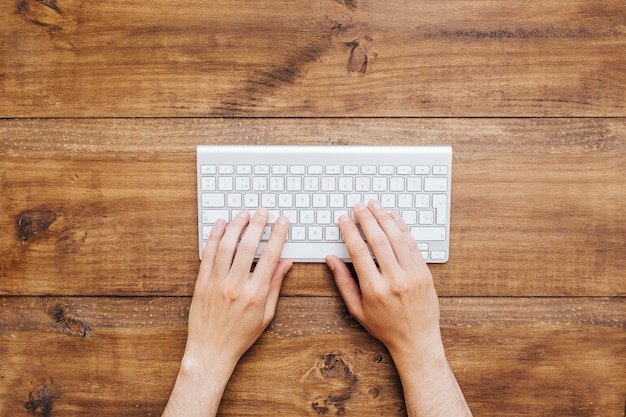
point(347, 286)
point(416, 254)
point(276, 283)
point(270, 256)
point(359, 252)
point(249, 244)
point(376, 237)
point(228, 244)
point(210, 250)
point(398, 240)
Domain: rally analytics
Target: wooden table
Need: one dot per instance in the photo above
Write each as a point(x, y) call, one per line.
point(103, 103)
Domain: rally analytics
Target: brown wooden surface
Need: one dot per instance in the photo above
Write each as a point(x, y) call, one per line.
point(98, 251)
point(268, 58)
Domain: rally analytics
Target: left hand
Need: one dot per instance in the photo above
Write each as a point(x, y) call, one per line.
point(232, 306)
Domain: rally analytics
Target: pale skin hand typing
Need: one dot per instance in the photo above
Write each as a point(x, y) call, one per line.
point(395, 301)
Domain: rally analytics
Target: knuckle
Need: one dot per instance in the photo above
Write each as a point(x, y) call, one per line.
point(270, 253)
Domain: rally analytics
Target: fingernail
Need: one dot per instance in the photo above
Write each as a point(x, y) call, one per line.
point(358, 206)
point(262, 211)
point(243, 214)
point(282, 220)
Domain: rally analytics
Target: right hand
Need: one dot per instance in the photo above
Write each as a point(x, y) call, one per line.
point(396, 302)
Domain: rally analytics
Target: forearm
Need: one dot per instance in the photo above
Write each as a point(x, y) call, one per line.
point(430, 387)
point(198, 389)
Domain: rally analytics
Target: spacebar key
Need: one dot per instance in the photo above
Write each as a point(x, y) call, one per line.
point(311, 252)
point(428, 233)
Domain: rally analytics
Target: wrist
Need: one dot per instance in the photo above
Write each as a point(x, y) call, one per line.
point(205, 367)
point(426, 358)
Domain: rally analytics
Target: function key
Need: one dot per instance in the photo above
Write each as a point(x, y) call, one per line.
point(244, 169)
point(404, 170)
point(351, 170)
point(315, 170)
point(333, 169)
point(440, 170)
point(386, 169)
point(368, 169)
point(279, 169)
point(262, 169)
point(226, 169)
point(422, 170)
point(297, 169)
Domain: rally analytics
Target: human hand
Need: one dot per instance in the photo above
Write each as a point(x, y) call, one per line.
point(232, 306)
point(396, 302)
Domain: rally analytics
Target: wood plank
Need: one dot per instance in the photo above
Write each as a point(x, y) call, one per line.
point(302, 58)
point(537, 205)
point(119, 356)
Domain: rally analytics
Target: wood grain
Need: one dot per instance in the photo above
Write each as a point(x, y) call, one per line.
point(559, 357)
point(322, 58)
point(123, 193)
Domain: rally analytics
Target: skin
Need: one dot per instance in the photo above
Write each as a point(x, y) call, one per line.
point(395, 301)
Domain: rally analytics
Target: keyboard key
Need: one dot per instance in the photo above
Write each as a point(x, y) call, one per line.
point(259, 183)
point(311, 183)
point(333, 169)
point(414, 184)
point(233, 200)
point(211, 216)
point(328, 184)
point(379, 184)
point(404, 170)
point(208, 169)
point(213, 200)
point(277, 183)
point(315, 170)
point(345, 184)
point(298, 233)
point(226, 169)
point(386, 170)
point(441, 205)
point(279, 169)
point(294, 183)
point(261, 169)
point(422, 169)
point(244, 169)
point(324, 217)
point(437, 255)
point(297, 169)
point(422, 200)
point(440, 170)
point(208, 184)
point(242, 183)
point(369, 170)
point(285, 200)
point(316, 233)
point(435, 184)
point(332, 233)
point(225, 184)
point(426, 217)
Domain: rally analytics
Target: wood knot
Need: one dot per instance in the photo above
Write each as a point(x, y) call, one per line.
point(70, 324)
point(32, 222)
point(333, 366)
point(48, 13)
point(352, 33)
point(40, 400)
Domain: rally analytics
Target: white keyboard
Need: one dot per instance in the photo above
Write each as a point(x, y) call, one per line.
point(314, 185)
